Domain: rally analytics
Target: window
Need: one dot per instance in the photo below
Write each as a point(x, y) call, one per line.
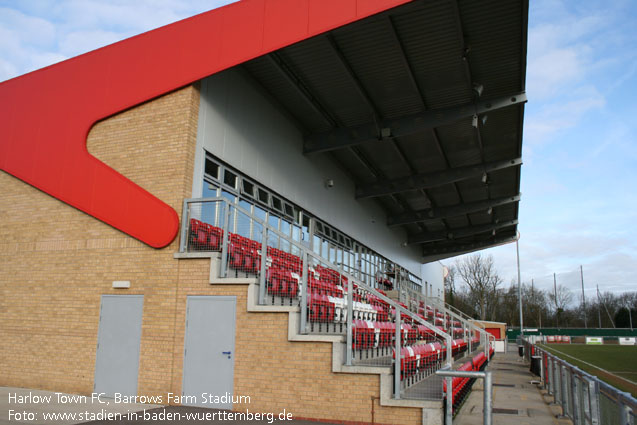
point(262, 203)
point(248, 188)
point(277, 204)
point(264, 196)
point(230, 179)
point(289, 211)
point(212, 169)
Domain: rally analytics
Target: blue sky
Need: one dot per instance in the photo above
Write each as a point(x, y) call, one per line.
point(580, 150)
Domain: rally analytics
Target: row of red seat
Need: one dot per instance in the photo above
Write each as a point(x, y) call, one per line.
point(461, 386)
point(283, 278)
point(327, 309)
point(375, 334)
point(204, 236)
point(420, 358)
point(458, 346)
point(558, 339)
point(245, 254)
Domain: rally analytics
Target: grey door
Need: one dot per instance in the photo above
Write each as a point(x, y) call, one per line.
point(119, 335)
point(209, 350)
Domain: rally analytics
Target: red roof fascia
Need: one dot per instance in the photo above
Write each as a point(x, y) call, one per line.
point(45, 116)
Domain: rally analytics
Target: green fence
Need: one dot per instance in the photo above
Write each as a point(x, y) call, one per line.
point(512, 334)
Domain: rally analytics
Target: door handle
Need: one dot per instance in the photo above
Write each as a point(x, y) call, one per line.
point(226, 352)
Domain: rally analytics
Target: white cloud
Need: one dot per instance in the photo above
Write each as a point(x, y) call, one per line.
point(553, 117)
point(29, 41)
point(78, 42)
point(552, 70)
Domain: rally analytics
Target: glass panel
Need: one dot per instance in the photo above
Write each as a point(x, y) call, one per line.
point(277, 204)
point(332, 256)
point(230, 179)
point(248, 188)
point(289, 210)
point(259, 213)
point(296, 233)
point(285, 227)
point(264, 196)
point(273, 221)
point(209, 190)
point(212, 169)
point(229, 196)
point(324, 249)
point(306, 228)
point(243, 220)
point(316, 246)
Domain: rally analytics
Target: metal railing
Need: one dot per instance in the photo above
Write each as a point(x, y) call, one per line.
point(451, 314)
point(487, 417)
point(583, 398)
point(378, 331)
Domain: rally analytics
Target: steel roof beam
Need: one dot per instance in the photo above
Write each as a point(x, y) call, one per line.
point(447, 250)
point(340, 138)
point(453, 234)
point(305, 93)
point(434, 214)
point(429, 180)
point(352, 76)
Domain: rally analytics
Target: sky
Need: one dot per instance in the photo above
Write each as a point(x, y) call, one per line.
point(579, 178)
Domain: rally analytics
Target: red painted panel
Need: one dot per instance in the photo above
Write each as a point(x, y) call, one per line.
point(285, 19)
point(494, 331)
point(45, 116)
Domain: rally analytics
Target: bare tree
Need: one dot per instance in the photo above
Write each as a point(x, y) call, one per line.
point(450, 285)
point(479, 274)
point(561, 297)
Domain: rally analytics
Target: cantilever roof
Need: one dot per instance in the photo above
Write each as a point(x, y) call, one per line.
point(387, 88)
point(392, 99)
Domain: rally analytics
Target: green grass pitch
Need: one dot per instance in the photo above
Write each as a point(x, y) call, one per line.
point(619, 360)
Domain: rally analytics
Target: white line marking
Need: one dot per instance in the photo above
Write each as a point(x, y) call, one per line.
point(593, 366)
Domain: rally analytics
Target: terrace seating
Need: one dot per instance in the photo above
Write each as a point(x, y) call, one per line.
point(458, 346)
point(374, 327)
point(204, 236)
point(418, 359)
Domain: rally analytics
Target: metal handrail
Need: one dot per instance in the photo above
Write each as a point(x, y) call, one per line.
point(468, 321)
point(488, 392)
point(306, 253)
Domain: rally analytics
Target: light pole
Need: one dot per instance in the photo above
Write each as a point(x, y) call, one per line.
point(517, 249)
point(581, 271)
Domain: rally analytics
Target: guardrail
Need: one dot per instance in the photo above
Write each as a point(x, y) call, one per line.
point(584, 398)
point(378, 330)
point(487, 398)
point(450, 313)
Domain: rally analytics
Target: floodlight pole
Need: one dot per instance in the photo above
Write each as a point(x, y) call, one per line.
point(557, 312)
point(581, 272)
point(599, 308)
point(517, 249)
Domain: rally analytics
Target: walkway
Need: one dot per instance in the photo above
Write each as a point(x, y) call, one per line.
point(516, 399)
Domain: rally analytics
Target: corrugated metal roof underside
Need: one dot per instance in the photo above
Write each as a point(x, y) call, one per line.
point(419, 57)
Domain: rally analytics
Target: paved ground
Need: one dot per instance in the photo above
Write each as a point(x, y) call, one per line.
point(516, 400)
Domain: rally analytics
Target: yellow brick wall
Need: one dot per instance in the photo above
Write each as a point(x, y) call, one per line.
point(56, 262)
point(278, 374)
